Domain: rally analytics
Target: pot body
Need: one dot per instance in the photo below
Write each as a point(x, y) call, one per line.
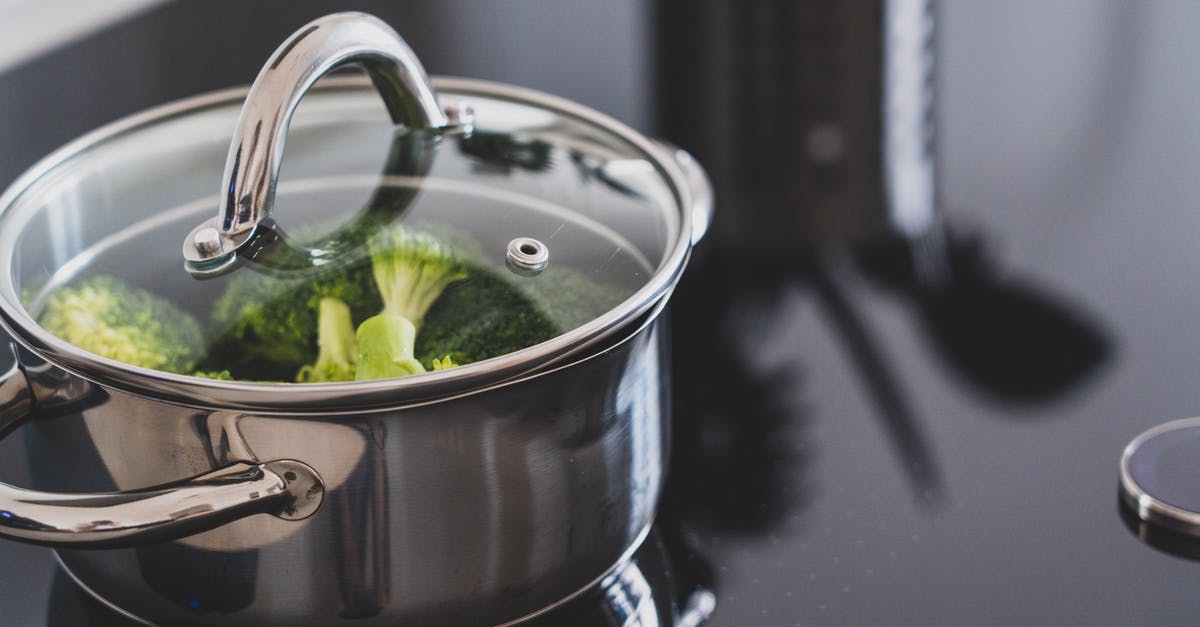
point(475, 510)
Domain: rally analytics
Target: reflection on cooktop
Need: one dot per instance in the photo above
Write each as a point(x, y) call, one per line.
point(1166, 540)
point(649, 591)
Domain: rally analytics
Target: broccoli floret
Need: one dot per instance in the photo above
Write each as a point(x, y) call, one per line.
point(568, 297)
point(411, 270)
point(444, 363)
point(483, 316)
point(459, 311)
point(112, 319)
point(219, 375)
point(337, 346)
point(265, 327)
point(493, 313)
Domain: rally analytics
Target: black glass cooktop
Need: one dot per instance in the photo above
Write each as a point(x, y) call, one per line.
point(857, 444)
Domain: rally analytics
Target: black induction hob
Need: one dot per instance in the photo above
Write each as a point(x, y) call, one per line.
point(854, 445)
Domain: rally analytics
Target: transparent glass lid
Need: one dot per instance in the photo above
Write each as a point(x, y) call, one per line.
point(489, 240)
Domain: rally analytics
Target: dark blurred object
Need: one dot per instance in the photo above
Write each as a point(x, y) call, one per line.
point(813, 118)
point(1011, 340)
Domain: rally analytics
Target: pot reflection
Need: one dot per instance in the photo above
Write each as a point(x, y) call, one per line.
point(1161, 538)
point(655, 588)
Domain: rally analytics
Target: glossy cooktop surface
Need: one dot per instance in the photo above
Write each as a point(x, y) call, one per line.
point(855, 442)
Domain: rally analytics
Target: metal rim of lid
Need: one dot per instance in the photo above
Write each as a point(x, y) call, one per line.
point(1145, 505)
point(357, 396)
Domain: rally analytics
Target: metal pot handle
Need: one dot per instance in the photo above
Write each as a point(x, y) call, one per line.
point(288, 489)
point(252, 165)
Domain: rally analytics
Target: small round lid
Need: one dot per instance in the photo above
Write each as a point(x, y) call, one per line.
point(1160, 476)
point(509, 229)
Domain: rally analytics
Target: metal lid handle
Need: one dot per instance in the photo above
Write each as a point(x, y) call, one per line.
point(252, 165)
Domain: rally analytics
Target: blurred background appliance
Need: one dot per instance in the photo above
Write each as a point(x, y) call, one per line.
point(815, 119)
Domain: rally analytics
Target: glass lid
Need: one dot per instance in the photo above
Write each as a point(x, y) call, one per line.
point(512, 232)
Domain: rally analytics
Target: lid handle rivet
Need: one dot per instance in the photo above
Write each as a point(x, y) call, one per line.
point(460, 117)
point(527, 256)
point(207, 240)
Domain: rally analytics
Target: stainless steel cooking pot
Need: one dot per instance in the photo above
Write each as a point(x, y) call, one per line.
point(481, 494)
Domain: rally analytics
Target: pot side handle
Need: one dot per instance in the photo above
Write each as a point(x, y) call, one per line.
point(287, 489)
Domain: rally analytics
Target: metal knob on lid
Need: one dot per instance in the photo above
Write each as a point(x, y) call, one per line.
point(527, 256)
point(252, 165)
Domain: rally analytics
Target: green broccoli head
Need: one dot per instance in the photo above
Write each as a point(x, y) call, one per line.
point(217, 375)
point(265, 327)
point(567, 297)
point(459, 311)
point(337, 346)
point(412, 269)
point(444, 363)
point(107, 317)
point(481, 317)
point(493, 313)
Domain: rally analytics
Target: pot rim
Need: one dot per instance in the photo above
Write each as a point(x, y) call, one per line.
point(356, 395)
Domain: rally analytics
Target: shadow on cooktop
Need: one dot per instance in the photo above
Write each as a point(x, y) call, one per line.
point(735, 465)
point(737, 459)
point(1015, 342)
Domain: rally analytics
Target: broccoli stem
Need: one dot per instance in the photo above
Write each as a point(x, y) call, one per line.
point(385, 347)
point(337, 345)
point(411, 270)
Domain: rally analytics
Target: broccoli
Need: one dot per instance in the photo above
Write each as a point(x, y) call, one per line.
point(219, 375)
point(493, 313)
point(112, 319)
point(337, 347)
point(411, 270)
point(568, 297)
point(266, 327)
point(385, 348)
point(480, 317)
point(421, 307)
point(444, 363)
